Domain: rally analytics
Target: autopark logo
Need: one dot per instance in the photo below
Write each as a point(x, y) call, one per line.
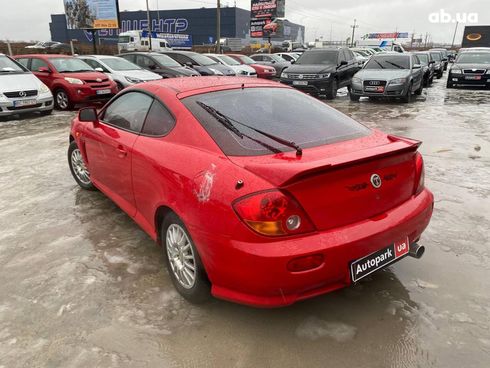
point(442, 16)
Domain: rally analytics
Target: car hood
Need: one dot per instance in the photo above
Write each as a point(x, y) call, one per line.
point(144, 75)
point(18, 82)
point(470, 66)
point(311, 68)
point(85, 75)
point(226, 70)
point(382, 73)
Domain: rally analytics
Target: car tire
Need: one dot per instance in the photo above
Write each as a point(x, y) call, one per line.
point(78, 168)
point(183, 261)
point(332, 91)
point(431, 80)
point(418, 92)
point(439, 75)
point(62, 100)
point(46, 112)
point(354, 98)
point(408, 96)
point(449, 84)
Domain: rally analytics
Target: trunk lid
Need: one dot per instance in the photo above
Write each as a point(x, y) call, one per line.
point(346, 182)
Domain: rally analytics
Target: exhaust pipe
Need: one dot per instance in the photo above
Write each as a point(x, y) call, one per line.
point(416, 251)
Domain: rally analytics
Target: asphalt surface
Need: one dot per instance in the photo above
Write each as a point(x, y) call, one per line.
point(82, 286)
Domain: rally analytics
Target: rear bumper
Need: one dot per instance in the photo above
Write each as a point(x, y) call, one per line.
point(256, 273)
point(43, 104)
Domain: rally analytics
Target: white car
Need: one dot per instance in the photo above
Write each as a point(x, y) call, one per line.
point(21, 91)
point(241, 70)
point(122, 71)
point(289, 56)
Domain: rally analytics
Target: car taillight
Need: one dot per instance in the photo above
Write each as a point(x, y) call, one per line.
point(273, 213)
point(419, 174)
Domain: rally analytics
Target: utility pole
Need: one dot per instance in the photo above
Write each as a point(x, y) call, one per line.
point(454, 36)
point(158, 16)
point(354, 26)
point(218, 27)
point(148, 17)
point(425, 43)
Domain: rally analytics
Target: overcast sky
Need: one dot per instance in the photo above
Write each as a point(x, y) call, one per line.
point(29, 19)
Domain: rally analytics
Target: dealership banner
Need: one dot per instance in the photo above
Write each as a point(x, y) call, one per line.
point(388, 35)
point(92, 14)
point(176, 40)
point(476, 36)
point(267, 9)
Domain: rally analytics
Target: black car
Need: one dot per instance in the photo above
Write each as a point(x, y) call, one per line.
point(428, 65)
point(158, 63)
point(200, 63)
point(444, 56)
point(322, 71)
point(438, 63)
point(470, 69)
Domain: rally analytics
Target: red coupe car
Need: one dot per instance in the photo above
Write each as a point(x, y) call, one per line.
point(253, 200)
point(263, 71)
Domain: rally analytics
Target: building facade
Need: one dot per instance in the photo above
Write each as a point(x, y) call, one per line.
point(199, 23)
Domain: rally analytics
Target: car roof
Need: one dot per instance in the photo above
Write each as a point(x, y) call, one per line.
point(44, 56)
point(99, 56)
point(210, 83)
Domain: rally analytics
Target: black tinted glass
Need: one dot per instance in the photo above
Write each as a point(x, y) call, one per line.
point(303, 119)
point(159, 121)
point(316, 57)
point(128, 111)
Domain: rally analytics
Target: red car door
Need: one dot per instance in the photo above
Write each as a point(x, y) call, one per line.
point(109, 147)
point(45, 75)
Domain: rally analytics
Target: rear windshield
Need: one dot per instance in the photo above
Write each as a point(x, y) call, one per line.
point(388, 62)
point(119, 64)
point(282, 112)
point(315, 57)
point(228, 60)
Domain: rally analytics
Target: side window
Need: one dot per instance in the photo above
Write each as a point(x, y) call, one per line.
point(266, 58)
point(159, 121)
point(415, 60)
point(131, 58)
point(258, 58)
point(23, 61)
point(128, 111)
point(38, 63)
point(145, 62)
point(341, 56)
point(94, 64)
point(182, 59)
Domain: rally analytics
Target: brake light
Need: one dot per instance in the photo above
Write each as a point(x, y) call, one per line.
point(419, 174)
point(273, 213)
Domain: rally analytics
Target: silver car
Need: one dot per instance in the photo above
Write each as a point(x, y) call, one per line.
point(389, 75)
point(122, 71)
point(21, 91)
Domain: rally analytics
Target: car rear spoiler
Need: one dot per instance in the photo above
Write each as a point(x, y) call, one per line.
point(281, 174)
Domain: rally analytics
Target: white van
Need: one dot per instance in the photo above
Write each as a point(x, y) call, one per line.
point(139, 41)
point(21, 91)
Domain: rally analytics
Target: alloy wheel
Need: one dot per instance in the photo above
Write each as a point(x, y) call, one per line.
point(62, 100)
point(181, 256)
point(79, 167)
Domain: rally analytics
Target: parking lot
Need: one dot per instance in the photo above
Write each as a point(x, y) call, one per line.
point(83, 286)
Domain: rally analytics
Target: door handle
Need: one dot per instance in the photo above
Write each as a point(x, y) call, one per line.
point(121, 151)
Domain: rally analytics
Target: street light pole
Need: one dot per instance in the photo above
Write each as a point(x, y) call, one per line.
point(218, 27)
point(149, 23)
point(353, 32)
point(454, 36)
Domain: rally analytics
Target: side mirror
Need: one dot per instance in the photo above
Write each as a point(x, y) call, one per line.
point(432, 62)
point(273, 61)
point(417, 66)
point(292, 61)
point(342, 63)
point(188, 64)
point(44, 69)
point(88, 115)
point(99, 69)
point(153, 67)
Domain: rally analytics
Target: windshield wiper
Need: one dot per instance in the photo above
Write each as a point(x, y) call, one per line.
point(228, 123)
point(394, 64)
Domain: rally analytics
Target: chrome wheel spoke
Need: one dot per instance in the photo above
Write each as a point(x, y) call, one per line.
point(181, 256)
point(79, 168)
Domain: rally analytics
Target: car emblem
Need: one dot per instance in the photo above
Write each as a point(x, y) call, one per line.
point(99, 80)
point(376, 181)
point(22, 94)
point(374, 83)
point(473, 70)
point(300, 76)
